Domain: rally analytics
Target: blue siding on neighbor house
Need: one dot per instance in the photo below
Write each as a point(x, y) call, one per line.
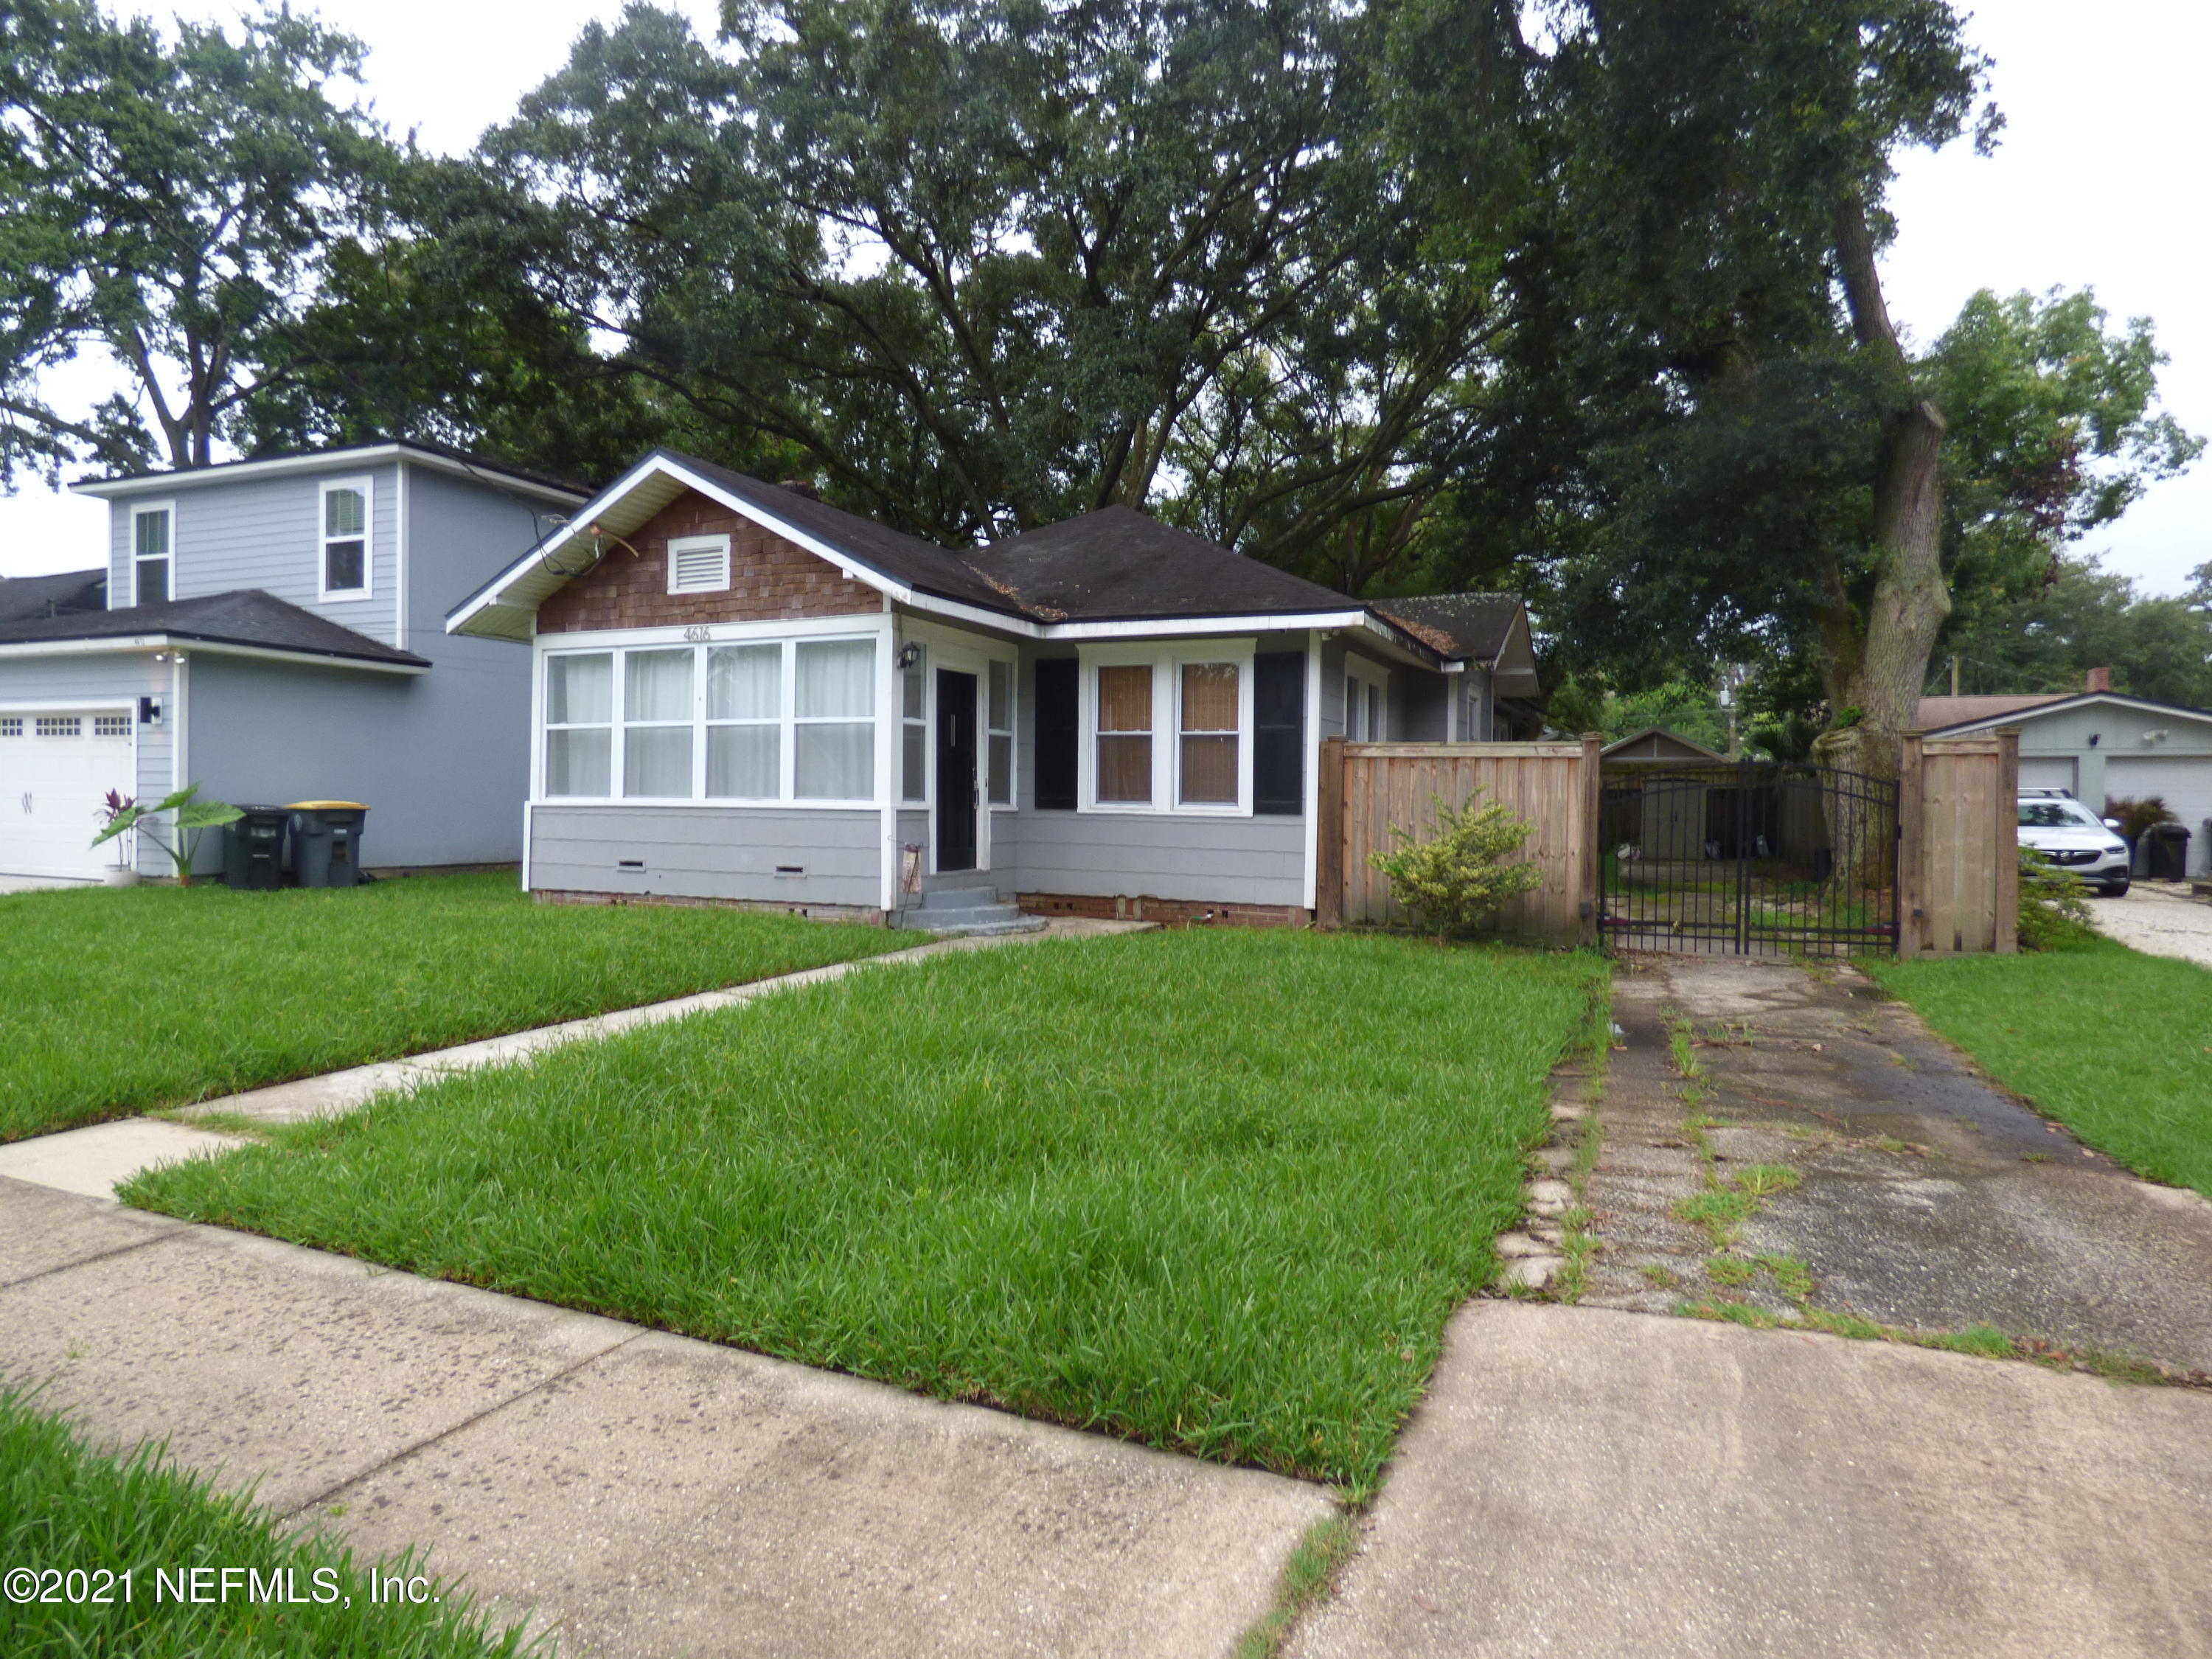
point(266, 533)
point(710, 852)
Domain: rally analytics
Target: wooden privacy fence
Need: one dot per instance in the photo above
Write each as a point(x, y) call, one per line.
point(1958, 854)
point(1369, 789)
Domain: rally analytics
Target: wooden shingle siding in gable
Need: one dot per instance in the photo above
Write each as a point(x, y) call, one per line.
point(771, 580)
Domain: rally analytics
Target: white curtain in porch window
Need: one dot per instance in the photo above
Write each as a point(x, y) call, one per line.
point(745, 706)
point(835, 730)
point(578, 724)
point(656, 756)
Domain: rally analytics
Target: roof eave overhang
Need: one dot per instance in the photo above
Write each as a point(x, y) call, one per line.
point(2081, 700)
point(129, 645)
point(163, 484)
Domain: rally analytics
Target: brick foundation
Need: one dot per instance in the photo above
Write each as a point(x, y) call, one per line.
point(771, 580)
point(868, 914)
point(1173, 912)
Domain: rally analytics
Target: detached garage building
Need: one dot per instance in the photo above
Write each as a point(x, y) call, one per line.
point(2100, 745)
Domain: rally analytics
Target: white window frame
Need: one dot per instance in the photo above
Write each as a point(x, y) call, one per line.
point(680, 545)
point(1012, 730)
point(146, 509)
point(324, 592)
point(611, 726)
point(1359, 670)
point(1166, 660)
point(699, 640)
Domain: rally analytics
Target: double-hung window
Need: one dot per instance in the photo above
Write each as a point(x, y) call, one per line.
point(152, 554)
point(745, 722)
point(1125, 734)
point(1168, 730)
point(580, 707)
point(775, 720)
point(1206, 749)
point(656, 724)
point(999, 723)
point(345, 565)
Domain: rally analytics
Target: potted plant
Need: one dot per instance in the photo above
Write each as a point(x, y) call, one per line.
point(124, 872)
point(191, 816)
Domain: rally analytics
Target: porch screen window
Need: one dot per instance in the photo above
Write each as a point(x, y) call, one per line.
point(913, 731)
point(834, 729)
point(656, 724)
point(1000, 726)
point(579, 723)
point(345, 539)
point(149, 539)
point(745, 730)
point(1125, 733)
point(1208, 734)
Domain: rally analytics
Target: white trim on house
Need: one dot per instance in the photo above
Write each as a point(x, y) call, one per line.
point(1311, 773)
point(2065, 705)
point(126, 645)
point(1369, 675)
point(363, 455)
point(1166, 734)
point(364, 485)
point(146, 510)
point(399, 559)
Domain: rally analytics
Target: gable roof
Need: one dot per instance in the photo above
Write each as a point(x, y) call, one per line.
point(437, 457)
point(1936, 713)
point(1658, 743)
point(1112, 572)
point(2023, 709)
point(26, 598)
point(244, 619)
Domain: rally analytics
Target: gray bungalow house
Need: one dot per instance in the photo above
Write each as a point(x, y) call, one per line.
point(742, 694)
point(273, 630)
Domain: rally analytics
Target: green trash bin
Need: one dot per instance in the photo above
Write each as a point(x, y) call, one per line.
point(253, 850)
point(326, 841)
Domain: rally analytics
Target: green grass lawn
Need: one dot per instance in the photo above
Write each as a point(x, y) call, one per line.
point(2114, 1044)
point(116, 1001)
point(64, 1505)
point(1216, 1190)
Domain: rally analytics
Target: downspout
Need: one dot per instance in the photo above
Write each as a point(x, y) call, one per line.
point(1311, 744)
point(400, 581)
point(887, 791)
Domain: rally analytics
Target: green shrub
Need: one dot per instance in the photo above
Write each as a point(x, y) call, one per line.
point(2137, 816)
point(2052, 914)
point(1456, 880)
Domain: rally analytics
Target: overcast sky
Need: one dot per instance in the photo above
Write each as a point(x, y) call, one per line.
point(2103, 154)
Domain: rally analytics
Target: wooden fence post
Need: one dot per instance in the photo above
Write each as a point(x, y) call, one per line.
point(1912, 841)
point(1328, 837)
point(1587, 855)
point(2006, 809)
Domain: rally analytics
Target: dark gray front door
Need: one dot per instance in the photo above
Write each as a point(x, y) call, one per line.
point(955, 770)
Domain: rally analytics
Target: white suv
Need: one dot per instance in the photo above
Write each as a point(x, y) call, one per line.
point(2074, 839)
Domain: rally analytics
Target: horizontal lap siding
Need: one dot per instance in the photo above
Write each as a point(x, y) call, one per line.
point(710, 852)
point(1256, 861)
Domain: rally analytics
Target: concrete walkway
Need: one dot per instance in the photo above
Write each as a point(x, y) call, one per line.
point(1584, 1484)
point(93, 1161)
point(641, 1494)
point(2163, 918)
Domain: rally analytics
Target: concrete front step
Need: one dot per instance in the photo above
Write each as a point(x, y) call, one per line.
point(959, 898)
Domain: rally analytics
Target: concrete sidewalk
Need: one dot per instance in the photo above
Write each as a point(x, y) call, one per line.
point(641, 1494)
point(93, 1160)
point(1587, 1482)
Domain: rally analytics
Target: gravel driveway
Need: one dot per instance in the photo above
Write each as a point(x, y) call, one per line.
point(2159, 918)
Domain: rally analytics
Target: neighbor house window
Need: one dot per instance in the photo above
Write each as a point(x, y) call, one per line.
point(833, 731)
point(999, 725)
point(580, 725)
point(745, 722)
point(914, 727)
point(345, 540)
point(1207, 738)
point(1125, 733)
point(656, 724)
point(151, 529)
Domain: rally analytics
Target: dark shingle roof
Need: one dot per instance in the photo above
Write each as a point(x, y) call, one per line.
point(23, 599)
point(1119, 564)
point(245, 616)
point(1474, 625)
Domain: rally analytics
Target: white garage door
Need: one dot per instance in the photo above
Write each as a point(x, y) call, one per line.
point(2047, 772)
point(55, 766)
point(2183, 781)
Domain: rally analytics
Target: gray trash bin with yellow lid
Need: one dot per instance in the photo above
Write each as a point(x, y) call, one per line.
point(326, 841)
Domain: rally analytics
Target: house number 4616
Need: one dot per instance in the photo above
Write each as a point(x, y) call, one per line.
point(698, 635)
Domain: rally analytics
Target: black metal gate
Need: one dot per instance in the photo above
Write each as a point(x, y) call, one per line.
point(1749, 857)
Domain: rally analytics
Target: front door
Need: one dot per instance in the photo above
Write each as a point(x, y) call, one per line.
point(955, 770)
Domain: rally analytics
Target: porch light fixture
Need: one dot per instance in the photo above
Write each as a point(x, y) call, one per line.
point(909, 654)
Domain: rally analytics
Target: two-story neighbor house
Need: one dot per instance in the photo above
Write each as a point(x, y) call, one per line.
point(272, 629)
point(744, 693)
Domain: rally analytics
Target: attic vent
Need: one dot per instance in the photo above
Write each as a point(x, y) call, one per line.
point(699, 564)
